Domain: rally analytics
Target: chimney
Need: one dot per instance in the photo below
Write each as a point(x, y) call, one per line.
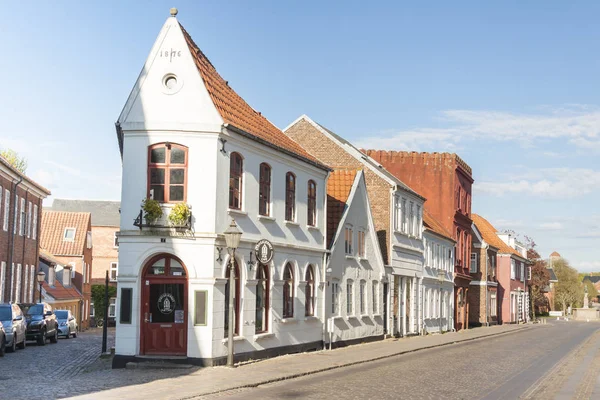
point(67, 276)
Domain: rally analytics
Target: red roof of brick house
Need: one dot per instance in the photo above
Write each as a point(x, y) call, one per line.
point(489, 234)
point(58, 291)
point(338, 189)
point(54, 224)
point(555, 254)
point(435, 226)
point(238, 114)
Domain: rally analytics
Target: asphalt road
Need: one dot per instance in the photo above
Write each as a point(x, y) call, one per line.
point(551, 361)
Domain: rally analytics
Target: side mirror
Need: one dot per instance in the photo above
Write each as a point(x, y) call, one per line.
point(18, 318)
point(72, 319)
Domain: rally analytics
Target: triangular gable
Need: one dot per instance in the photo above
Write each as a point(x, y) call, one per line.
point(489, 234)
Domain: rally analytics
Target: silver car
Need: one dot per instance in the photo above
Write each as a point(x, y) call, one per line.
point(67, 325)
point(15, 326)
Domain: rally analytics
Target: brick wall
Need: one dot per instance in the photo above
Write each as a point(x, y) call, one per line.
point(103, 253)
point(330, 153)
point(24, 249)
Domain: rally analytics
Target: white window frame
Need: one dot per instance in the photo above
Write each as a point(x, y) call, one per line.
point(2, 280)
point(375, 294)
point(404, 217)
point(6, 210)
point(29, 219)
point(362, 295)
point(419, 223)
point(335, 298)
point(115, 269)
point(513, 268)
point(112, 305)
point(65, 234)
point(26, 283)
point(411, 219)
point(35, 222)
point(115, 241)
point(474, 263)
point(18, 286)
point(397, 214)
point(23, 217)
point(16, 216)
point(361, 243)
point(92, 310)
point(348, 239)
point(349, 297)
point(31, 282)
point(493, 305)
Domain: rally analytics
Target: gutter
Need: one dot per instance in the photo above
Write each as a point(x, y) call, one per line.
point(11, 236)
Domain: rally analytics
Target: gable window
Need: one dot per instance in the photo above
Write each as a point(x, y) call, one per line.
point(114, 268)
point(349, 297)
point(375, 295)
point(236, 172)
point(167, 172)
point(6, 209)
point(335, 298)
point(348, 233)
point(312, 203)
point(35, 219)
point(473, 269)
point(236, 300)
point(361, 243)
point(69, 235)
point(264, 194)
point(288, 291)
point(310, 291)
point(262, 299)
point(290, 197)
point(362, 294)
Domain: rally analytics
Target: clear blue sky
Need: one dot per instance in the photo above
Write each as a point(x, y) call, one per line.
point(512, 87)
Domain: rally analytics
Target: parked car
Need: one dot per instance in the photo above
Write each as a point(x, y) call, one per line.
point(2, 341)
point(15, 326)
point(67, 325)
point(41, 322)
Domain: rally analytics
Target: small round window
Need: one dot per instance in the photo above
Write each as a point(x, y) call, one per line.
point(171, 84)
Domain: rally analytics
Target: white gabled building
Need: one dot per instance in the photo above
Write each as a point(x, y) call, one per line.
point(355, 305)
point(187, 137)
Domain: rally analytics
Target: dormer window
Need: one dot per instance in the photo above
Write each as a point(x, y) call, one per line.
point(69, 235)
point(167, 172)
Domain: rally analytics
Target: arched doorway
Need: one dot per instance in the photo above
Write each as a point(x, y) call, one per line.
point(163, 328)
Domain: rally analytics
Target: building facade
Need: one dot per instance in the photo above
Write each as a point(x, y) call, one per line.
point(67, 236)
point(187, 139)
point(483, 298)
point(20, 215)
point(446, 181)
point(397, 214)
point(58, 289)
point(355, 306)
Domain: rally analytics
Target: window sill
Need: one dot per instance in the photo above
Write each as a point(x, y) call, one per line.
point(288, 320)
point(264, 335)
point(362, 316)
point(351, 317)
point(311, 318)
point(236, 212)
point(337, 317)
point(235, 339)
point(351, 257)
point(292, 223)
point(313, 228)
point(377, 316)
point(266, 218)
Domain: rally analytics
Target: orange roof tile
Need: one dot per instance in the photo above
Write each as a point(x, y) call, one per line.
point(488, 232)
point(59, 292)
point(338, 189)
point(53, 230)
point(434, 225)
point(236, 112)
point(554, 254)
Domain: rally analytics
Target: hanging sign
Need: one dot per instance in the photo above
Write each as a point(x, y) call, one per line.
point(166, 303)
point(264, 251)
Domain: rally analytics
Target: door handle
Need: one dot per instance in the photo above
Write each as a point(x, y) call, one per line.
point(146, 317)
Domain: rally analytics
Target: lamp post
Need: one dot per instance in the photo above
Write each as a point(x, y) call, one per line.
point(232, 239)
point(41, 276)
point(441, 275)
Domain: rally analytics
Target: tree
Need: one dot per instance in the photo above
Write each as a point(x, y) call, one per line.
point(540, 277)
point(14, 159)
point(98, 299)
point(569, 290)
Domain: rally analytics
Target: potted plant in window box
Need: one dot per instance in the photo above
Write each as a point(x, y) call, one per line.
point(180, 215)
point(152, 210)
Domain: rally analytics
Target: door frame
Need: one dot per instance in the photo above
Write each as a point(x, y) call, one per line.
point(167, 279)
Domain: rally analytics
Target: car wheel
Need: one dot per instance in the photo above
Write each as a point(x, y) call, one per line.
point(13, 346)
point(74, 334)
point(69, 334)
point(23, 343)
point(2, 347)
point(54, 338)
point(41, 341)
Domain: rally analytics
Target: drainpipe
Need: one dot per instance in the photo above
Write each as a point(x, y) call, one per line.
point(11, 229)
point(326, 256)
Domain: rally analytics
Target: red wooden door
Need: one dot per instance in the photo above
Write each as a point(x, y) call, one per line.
point(164, 308)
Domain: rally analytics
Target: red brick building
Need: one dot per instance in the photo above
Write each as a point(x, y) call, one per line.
point(68, 237)
point(20, 214)
point(445, 180)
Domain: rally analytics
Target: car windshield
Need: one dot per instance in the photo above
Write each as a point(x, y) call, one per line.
point(36, 309)
point(61, 314)
point(5, 314)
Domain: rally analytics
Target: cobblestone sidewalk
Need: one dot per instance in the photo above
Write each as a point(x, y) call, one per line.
point(188, 384)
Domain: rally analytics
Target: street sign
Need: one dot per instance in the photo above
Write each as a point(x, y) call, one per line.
point(264, 251)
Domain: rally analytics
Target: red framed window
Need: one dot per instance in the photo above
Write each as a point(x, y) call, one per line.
point(264, 193)
point(236, 301)
point(288, 291)
point(310, 292)
point(167, 172)
point(236, 171)
point(290, 196)
point(312, 203)
point(262, 299)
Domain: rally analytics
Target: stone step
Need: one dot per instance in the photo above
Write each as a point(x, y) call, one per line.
point(162, 364)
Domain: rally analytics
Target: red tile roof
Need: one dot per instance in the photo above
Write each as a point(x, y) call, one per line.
point(555, 254)
point(53, 230)
point(59, 292)
point(488, 232)
point(435, 226)
point(236, 112)
point(338, 189)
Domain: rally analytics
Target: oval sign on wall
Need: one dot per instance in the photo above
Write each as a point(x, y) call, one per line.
point(166, 303)
point(264, 251)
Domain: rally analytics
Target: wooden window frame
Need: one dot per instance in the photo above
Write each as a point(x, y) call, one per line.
point(309, 292)
point(312, 203)
point(264, 191)
point(288, 291)
point(236, 175)
point(167, 167)
point(290, 197)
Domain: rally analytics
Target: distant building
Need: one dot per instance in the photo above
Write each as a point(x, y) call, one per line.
point(483, 299)
point(20, 215)
point(58, 289)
